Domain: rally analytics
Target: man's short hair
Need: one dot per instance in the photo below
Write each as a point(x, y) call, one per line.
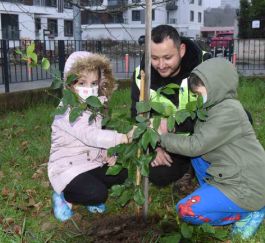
point(161, 32)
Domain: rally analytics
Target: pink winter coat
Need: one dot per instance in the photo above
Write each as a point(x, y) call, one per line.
point(77, 147)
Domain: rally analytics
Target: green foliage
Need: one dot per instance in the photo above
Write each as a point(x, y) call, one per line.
point(137, 155)
point(249, 12)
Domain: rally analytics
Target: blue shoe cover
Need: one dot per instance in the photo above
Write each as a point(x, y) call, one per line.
point(61, 210)
point(248, 226)
point(100, 208)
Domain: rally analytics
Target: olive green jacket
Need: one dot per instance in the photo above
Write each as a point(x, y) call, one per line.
point(226, 139)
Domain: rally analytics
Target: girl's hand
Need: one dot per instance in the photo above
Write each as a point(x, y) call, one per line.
point(111, 160)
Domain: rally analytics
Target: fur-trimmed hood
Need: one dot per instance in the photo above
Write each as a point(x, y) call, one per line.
point(83, 60)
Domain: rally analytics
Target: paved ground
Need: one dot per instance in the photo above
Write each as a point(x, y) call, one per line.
point(14, 87)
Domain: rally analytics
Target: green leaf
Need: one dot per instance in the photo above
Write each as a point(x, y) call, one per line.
point(191, 106)
point(170, 123)
point(181, 116)
point(60, 110)
point(139, 196)
point(141, 119)
point(171, 238)
point(19, 52)
point(162, 108)
point(143, 106)
point(45, 63)
point(114, 170)
point(125, 197)
point(30, 49)
point(94, 102)
point(172, 86)
point(57, 83)
point(74, 114)
point(186, 231)
point(71, 79)
point(34, 59)
point(168, 91)
point(149, 137)
point(130, 151)
point(200, 102)
point(202, 115)
point(105, 121)
point(117, 190)
point(139, 131)
point(156, 122)
point(221, 234)
point(92, 118)
point(70, 98)
point(207, 228)
point(158, 107)
point(143, 162)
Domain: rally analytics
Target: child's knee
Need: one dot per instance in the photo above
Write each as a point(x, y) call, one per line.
point(189, 213)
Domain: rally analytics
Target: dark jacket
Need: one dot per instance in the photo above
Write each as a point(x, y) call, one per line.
point(226, 139)
point(191, 59)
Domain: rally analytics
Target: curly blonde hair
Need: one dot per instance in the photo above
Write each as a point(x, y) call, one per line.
point(98, 63)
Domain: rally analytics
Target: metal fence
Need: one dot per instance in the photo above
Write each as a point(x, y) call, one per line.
point(124, 56)
point(247, 55)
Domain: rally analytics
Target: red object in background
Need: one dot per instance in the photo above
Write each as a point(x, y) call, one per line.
point(221, 40)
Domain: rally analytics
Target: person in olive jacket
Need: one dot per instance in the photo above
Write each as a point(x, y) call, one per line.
point(228, 160)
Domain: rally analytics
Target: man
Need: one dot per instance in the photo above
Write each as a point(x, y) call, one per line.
point(172, 60)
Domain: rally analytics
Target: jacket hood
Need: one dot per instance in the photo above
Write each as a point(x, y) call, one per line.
point(83, 60)
point(220, 78)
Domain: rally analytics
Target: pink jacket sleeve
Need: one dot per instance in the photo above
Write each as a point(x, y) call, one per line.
point(91, 135)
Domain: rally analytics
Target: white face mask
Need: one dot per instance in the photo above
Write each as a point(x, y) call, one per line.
point(204, 97)
point(85, 92)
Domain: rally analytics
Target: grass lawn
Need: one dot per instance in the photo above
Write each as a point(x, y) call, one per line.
point(25, 192)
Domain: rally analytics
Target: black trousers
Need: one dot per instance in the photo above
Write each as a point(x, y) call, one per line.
point(91, 187)
point(164, 175)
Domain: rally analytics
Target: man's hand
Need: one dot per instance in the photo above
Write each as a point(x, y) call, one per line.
point(162, 158)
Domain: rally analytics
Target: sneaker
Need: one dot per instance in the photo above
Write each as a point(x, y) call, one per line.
point(100, 208)
point(248, 226)
point(61, 210)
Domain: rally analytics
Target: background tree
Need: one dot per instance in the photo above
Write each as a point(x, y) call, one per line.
point(243, 20)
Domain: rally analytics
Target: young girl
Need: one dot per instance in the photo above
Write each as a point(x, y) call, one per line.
point(228, 160)
point(78, 157)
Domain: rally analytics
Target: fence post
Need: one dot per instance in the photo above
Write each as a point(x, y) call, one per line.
point(5, 64)
point(61, 54)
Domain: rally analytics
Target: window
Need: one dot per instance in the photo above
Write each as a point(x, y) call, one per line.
point(199, 17)
point(68, 28)
point(136, 15)
point(200, 2)
point(51, 3)
point(136, 1)
point(68, 4)
point(10, 29)
point(192, 1)
point(37, 24)
point(53, 26)
point(153, 14)
point(191, 16)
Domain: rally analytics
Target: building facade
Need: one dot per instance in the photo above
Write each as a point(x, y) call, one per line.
point(100, 19)
point(35, 19)
point(125, 20)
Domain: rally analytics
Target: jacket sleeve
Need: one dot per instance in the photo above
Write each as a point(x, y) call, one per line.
point(89, 135)
point(134, 96)
point(217, 130)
